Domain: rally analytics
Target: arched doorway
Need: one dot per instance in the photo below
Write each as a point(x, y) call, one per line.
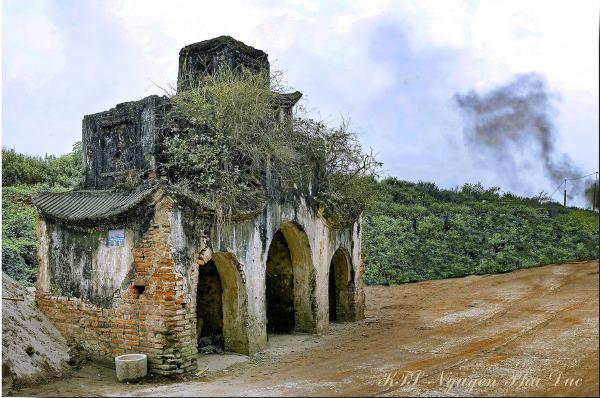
point(209, 307)
point(290, 282)
point(221, 304)
point(280, 287)
point(341, 287)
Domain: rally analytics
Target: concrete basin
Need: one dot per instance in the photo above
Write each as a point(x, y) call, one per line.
point(131, 367)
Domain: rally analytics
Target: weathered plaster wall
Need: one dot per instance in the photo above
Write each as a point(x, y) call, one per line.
point(120, 145)
point(154, 279)
point(151, 312)
point(80, 264)
point(315, 242)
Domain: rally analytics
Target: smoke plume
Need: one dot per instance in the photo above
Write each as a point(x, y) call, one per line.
point(513, 122)
point(589, 193)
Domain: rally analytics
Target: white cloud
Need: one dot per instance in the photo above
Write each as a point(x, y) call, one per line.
point(557, 38)
point(35, 49)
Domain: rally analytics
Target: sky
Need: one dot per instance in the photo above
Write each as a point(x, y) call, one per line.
point(390, 67)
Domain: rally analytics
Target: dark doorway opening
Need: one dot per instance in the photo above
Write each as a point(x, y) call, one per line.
point(280, 287)
point(341, 290)
point(209, 308)
point(333, 293)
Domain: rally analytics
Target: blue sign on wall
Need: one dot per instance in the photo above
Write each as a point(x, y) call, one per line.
point(116, 237)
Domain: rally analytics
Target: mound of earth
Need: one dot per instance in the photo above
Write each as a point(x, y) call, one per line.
point(33, 351)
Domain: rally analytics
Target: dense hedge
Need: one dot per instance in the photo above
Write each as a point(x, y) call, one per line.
point(417, 231)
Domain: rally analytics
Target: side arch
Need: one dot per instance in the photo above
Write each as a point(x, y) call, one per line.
point(304, 282)
point(234, 302)
point(341, 287)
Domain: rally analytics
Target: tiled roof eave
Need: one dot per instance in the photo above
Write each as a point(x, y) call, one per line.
point(91, 206)
point(98, 207)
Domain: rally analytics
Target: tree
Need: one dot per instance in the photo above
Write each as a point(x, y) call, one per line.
point(55, 171)
point(19, 169)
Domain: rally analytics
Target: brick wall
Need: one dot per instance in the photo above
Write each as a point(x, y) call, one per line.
point(155, 315)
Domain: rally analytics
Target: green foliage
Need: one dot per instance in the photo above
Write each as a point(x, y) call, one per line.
point(18, 168)
point(222, 131)
point(228, 142)
point(19, 258)
point(18, 234)
point(580, 218)
point(62, 171)
point(417, 231)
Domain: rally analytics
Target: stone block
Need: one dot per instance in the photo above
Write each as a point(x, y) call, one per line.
point(131, 367)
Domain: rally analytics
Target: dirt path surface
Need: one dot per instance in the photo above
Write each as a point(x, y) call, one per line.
point(530, 332)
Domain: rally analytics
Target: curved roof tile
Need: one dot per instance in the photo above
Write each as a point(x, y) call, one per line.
point(88, 205)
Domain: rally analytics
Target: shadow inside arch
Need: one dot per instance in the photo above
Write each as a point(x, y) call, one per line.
point(233, 300)
point(341, 290)
point(291, 238)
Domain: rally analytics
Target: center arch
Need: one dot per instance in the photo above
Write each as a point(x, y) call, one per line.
point(290, 282)
point(230, 314)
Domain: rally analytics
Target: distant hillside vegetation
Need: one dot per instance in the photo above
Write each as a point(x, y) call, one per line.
point(417, 231)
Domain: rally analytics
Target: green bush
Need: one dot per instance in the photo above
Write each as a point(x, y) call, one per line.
point(226, 142)
point(18, 234)
point(62, 171)
point(22, 176)
point(20, 169)
point(416, 231)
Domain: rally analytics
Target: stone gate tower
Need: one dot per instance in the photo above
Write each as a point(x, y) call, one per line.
point(128, 263)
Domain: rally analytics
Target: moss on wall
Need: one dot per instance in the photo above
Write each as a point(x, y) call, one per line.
point(82, 265)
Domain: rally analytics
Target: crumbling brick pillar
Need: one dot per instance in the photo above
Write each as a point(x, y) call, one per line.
point(166, 315)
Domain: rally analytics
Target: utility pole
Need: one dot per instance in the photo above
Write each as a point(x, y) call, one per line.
point(594, 197)
point(565, 197)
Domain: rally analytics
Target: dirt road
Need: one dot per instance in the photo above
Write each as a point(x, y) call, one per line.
point(526, 333)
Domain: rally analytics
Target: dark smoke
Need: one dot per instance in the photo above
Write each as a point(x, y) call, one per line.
point(589, 193)
point(514, 121)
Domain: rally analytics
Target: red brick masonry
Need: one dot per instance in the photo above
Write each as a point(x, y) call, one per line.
point(154, 315)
